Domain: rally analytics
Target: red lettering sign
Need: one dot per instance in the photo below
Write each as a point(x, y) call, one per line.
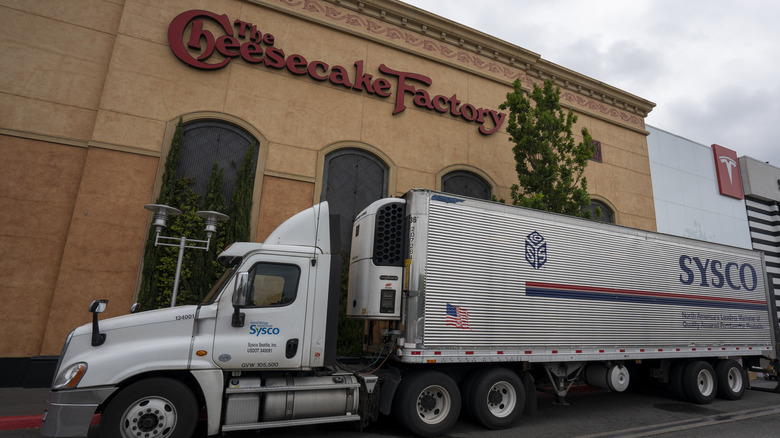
point(727, 169)
point(243, 40)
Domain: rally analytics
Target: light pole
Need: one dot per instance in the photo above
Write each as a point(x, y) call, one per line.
point(161, 213)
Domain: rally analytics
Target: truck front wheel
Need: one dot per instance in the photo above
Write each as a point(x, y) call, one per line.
point(496, 398)
point(157, 407)
point(427, 403)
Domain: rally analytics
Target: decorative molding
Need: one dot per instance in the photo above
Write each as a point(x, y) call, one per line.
point(126, 149)
point(44, 138)
point(417, 30)
point(291, 176)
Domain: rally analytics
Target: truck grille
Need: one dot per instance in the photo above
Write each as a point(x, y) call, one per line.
point(388, 235)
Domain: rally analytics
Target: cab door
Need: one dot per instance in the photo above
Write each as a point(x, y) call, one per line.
point(274, 318)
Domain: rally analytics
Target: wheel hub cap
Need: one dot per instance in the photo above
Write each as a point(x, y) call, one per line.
point(148, 418)
point(495, 397)
point(428, 402)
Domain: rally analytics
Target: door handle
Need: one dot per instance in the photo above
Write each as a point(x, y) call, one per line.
point(291, 349)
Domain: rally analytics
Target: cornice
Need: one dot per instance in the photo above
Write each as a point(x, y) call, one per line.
point(412, 29)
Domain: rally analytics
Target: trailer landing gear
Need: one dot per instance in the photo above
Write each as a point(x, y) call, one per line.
point(562, 376)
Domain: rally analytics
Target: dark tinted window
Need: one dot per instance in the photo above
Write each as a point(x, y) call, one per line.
point(205, 142)
point(462, 182)
point(273, 284)
point(607, 215)
point(352, 179)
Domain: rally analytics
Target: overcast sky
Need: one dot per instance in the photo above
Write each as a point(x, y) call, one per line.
point(712, 67)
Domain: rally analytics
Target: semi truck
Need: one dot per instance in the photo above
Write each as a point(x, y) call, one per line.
point(468, 305)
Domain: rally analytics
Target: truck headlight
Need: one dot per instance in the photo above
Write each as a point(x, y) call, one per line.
point(71, 376)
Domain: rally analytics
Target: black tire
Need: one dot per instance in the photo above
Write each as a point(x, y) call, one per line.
point(732, 380)
point(699, 382)
point(466, 390)
point(427, 403)
point(496, 399)
point(159, 407)
point(676, 379)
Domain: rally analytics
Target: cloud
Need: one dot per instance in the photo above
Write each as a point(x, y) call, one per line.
point(623, 64)
point(736, 117)
point(711, 67)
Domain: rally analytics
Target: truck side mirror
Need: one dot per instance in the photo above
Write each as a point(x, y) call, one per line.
point(97, 306)
point(240, 298)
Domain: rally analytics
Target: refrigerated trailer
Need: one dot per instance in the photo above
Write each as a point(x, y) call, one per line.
point(466, 303)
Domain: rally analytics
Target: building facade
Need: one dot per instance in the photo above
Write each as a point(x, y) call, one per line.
point(347, 101)
point(761, 184)
point(686, 196)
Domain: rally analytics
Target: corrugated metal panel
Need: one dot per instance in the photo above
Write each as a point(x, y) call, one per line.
point(599, 285)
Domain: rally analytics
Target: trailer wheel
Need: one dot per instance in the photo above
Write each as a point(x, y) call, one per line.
point(496, 398)
point(427, 403)
point(676, 379)
point(699, 382)
point(157, 407)
point(731, 379)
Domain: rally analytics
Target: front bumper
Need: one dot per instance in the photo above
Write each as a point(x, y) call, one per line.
point(69, 412)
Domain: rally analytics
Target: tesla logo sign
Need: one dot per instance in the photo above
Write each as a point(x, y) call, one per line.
point(729, 181)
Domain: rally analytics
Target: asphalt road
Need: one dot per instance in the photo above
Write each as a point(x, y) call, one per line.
point(598, 414)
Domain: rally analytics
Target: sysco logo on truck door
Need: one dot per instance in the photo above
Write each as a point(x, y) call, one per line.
point(716, 274)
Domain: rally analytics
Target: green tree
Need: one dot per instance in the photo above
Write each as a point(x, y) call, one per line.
point(186, 224)
point(200, 269)
point(237, 227)
point(350, 331)
point(149, 291)
point(549, 163)
point(205, 267)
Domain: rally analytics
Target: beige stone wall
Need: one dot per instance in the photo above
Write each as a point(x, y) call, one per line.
point(37, 196)
point(623, 177)
point(55, 59)
point(86, 114)
point(105, 241)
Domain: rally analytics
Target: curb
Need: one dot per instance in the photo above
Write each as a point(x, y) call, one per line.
point(21, 422)
point(32, 422)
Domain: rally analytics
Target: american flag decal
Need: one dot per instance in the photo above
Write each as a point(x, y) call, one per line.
point(458, 317)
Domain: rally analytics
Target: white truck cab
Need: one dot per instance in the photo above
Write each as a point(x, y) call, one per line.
point(269, 312)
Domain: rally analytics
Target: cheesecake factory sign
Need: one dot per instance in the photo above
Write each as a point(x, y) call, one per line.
point(197, 46)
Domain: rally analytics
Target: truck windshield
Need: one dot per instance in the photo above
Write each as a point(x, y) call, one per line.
point(221, 283)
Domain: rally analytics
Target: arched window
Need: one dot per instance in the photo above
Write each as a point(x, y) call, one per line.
point(205, 142)
point(463, 182)
point(352, 179)
point(607, 215)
